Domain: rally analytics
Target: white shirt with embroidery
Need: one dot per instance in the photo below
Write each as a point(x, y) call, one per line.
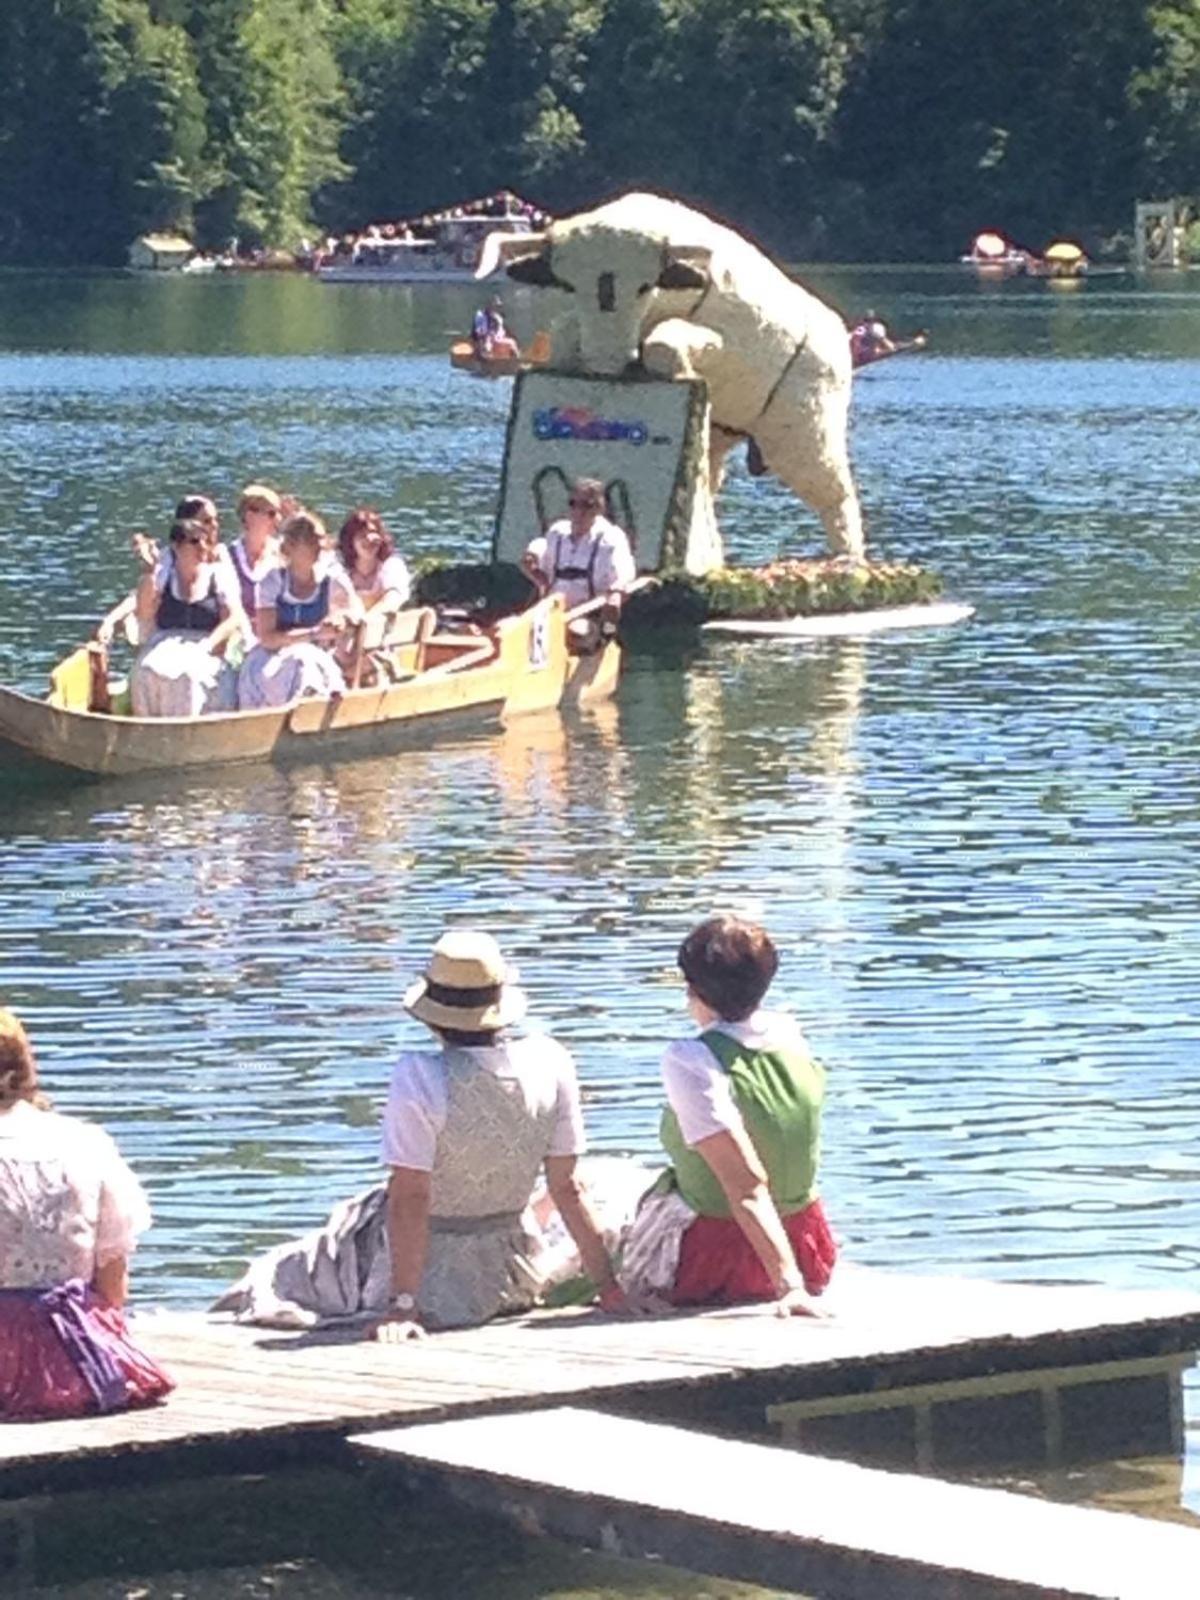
point(68, 1202)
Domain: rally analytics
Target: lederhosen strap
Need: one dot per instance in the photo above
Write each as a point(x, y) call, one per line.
point(576, 574)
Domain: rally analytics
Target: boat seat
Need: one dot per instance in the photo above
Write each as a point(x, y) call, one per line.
point(80, 681)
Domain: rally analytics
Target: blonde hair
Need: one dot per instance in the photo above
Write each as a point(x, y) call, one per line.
point(18, 1068)
point(257, 497)
point(304, 527)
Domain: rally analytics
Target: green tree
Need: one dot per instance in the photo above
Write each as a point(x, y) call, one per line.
point(98, 128)
point(273, 111)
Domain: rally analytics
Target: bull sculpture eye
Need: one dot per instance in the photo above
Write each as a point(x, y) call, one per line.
point(644, 288)
point(606, 292)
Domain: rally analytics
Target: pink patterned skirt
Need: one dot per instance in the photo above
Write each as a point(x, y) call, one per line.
point(65, 1353)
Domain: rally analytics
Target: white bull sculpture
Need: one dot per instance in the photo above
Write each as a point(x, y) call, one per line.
point(657, 284)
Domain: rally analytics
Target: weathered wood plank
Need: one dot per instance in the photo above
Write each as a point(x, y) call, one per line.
point(818, 1526)
point(885, 1329)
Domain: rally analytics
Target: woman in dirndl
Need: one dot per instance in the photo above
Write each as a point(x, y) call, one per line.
point(736, 1217)
point(70, 1214)
point(188, 612)
point(304, 608)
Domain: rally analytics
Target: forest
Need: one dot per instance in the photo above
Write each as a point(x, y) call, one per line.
point(830, 129)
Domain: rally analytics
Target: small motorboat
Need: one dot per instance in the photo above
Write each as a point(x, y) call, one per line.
point(433, 681)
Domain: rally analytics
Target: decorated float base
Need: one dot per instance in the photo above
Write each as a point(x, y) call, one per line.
point(786, 599)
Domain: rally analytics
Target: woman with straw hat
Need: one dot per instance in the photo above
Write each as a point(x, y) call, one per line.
point(468, 1129)
point(70, 1214)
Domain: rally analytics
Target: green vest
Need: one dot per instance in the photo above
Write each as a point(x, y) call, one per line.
point(779, 1094)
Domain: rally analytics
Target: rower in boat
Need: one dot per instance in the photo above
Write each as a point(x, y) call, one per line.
point(489, 335)
point(303, 609)
point(583, 556)
point(188, 611)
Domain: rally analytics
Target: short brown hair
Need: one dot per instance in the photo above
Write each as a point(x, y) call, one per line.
point(588, 492)
point(18, 1069)
point(729, 964)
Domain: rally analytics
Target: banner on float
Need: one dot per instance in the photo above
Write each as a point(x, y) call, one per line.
point(646, 441)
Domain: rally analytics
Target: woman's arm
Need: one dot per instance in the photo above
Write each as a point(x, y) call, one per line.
point(408, 1243)
point(734, 1163)
point(146, 605)
point(106, 630)
point(230, 624)
point(273, 637)
point(111, 1280)
point(575, 1209)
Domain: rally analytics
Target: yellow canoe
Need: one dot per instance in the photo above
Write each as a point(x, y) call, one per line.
point(445, 682)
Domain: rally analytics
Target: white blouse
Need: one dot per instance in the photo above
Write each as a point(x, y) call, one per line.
point(68, 1202)
point(699, 1090)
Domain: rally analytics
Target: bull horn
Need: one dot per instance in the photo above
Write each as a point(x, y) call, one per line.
point(504, 247)
point(685, 267)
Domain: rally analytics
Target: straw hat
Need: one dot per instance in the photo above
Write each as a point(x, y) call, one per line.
point(468, 986)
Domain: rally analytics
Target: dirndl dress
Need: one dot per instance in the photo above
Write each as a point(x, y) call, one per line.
point(65, 1353)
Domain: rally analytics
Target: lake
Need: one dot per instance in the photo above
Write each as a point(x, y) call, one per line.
point(978, 849)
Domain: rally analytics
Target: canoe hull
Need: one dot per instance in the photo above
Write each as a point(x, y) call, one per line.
point(528, 672)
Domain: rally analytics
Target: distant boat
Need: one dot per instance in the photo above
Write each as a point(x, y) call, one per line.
point(994, 256)
point(467, 358)
point(862, 357)
point(1062, 259)
point(449, 255)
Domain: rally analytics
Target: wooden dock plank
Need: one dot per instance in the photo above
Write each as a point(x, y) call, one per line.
point(884, 1328)
point(753, 1512)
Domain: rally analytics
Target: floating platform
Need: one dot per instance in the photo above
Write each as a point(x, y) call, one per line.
point(817, 1527)
point(846, 624)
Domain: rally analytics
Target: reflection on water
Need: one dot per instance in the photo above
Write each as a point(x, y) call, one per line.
point(978, 848)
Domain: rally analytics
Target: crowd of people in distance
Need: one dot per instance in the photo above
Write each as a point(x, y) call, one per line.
point(283, 613)
point(483, 1136)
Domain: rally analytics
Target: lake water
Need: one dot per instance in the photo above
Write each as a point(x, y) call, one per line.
point(978, 848)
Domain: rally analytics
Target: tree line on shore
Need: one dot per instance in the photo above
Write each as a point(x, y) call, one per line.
point(836, 129)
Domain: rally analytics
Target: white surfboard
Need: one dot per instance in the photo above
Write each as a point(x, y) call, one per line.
point(845, 624)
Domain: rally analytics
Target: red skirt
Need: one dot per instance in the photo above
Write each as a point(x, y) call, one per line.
point(718, 1265)
point(65, 1353)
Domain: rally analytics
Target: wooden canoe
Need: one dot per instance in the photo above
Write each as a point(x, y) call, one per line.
point(457, 681)
point(902, 347)
point(466, 358)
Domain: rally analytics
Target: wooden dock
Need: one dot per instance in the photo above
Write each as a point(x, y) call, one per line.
point(252, 1396)
point(814, 1526)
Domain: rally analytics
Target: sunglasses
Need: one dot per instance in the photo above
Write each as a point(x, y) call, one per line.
point(198, 544)
point(584, 505)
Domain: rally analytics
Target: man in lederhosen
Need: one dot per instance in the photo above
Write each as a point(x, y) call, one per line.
point(583, 556)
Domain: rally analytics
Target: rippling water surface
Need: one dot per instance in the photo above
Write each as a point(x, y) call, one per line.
point(977, 848)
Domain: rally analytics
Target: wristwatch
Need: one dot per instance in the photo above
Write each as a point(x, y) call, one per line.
point(403, 1302)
